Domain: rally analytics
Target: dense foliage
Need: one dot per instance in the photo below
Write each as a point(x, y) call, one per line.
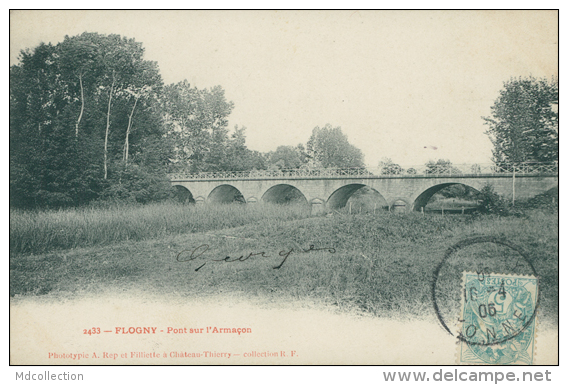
point(523, 125)
point(441, 166)
point(491, 202)
point(81, 113)
point(288, 157)
point(91, 120)
point(329, 147)
point(388, 167)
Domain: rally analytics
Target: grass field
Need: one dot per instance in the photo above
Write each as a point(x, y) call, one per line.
point(381, 264)
point(43, 231)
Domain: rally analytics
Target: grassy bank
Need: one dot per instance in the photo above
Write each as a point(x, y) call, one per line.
point(43, 231)
point(381, 264)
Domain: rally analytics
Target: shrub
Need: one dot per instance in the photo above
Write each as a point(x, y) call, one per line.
point(492, 203)
point(135, 184)
point(544, 201)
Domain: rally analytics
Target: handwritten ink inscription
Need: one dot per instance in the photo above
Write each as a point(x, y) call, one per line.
point(200, 251)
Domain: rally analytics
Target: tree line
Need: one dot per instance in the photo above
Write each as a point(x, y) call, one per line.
point(92, 120)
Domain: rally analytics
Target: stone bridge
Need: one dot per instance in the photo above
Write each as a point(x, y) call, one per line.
point(328, 189)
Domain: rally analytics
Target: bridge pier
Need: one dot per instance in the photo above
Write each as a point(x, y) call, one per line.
point(318, 207)
point(401, 205)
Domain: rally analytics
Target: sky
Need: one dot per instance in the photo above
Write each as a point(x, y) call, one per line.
point(411, 86)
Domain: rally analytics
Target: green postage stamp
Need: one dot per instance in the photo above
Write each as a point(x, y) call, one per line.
point(498, 319)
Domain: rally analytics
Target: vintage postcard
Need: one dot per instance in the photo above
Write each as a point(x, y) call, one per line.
point(283, 187)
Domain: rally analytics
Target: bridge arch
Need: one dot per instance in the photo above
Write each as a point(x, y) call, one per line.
point(182, 194)
point(340, 196)
point(284, 194)
point(423, 198)
point(225, 193)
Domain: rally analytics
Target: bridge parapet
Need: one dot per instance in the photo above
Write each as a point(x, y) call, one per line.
point(389, 171)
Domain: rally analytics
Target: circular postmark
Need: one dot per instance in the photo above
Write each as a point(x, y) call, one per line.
point(497, 310)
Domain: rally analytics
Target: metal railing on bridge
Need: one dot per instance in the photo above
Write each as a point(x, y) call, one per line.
point(388, 171)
